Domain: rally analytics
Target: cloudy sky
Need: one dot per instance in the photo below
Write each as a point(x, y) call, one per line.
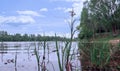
point(38, 16)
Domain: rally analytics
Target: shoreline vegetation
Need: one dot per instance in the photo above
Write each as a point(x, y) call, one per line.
point(99, 35)
point(4, 36)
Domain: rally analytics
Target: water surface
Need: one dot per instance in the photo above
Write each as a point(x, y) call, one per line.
point(26, 59)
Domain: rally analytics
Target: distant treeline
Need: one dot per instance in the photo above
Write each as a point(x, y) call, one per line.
point(4, 36)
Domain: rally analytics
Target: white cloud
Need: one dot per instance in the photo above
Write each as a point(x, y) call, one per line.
point(64, 9)
point(67, 10)
point(16, 19)
point(29, 13)
point(60, 8)
point(77, 6)
point(43, 9)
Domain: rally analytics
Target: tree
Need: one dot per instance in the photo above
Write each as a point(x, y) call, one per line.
point(85, 24)
point(99, 16)
point(25, 37)
point(17, 37)
point(32, 37)
point(4, 36)
point(104, 11)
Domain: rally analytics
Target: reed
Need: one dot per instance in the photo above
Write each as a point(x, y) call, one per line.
point(43, 61)
point(66, 57)
point(96, 54)
point(16, 60)
point(37, 56)
point(58, 55)
point(100, 54)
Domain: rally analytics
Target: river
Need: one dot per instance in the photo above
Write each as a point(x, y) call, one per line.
point(23, 54)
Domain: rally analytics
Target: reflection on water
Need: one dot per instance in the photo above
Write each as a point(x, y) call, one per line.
point(19, 56)
point(3, 48)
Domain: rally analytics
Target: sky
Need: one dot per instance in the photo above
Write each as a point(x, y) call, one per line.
point(38, 16)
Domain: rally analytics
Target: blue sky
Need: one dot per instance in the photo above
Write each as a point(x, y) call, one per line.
point(38, 16)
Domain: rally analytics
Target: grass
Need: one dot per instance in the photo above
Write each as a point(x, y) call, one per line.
point(109, 37)
point(100, 54)
point(97, 54)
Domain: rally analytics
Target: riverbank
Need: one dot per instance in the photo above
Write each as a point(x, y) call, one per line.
point(100, 53)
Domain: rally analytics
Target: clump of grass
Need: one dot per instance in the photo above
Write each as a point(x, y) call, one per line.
point(97, 54)
point(100, 54)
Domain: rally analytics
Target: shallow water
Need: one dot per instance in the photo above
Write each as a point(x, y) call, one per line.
point(26, 60)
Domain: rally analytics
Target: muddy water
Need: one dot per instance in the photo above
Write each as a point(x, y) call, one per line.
point(23, 53)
